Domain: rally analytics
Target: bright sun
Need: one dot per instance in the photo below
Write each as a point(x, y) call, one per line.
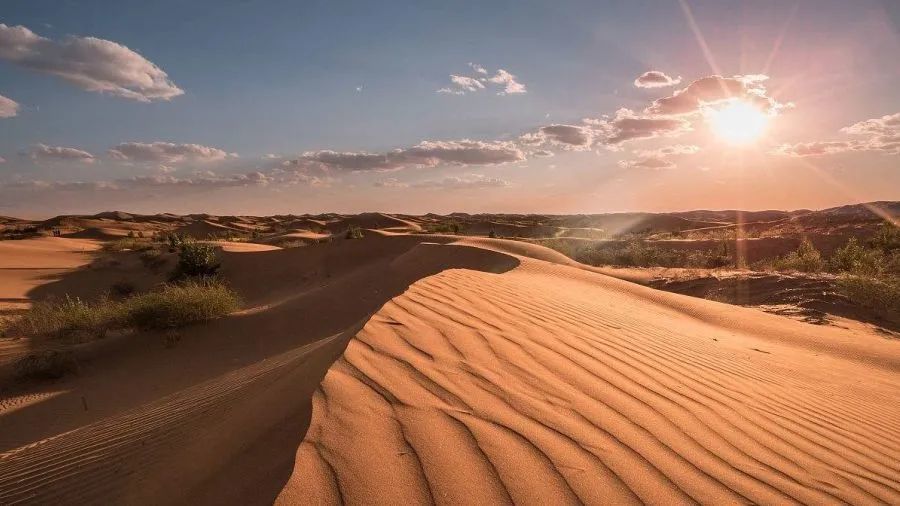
point(737, 122)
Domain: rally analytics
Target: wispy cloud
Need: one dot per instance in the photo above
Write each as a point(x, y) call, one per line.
point(880, 135)
point(8, 107)
point(89, 63)
point(425, 154)
point(44, 152)
point(467, 182)
point(167, 152)
point(655, 79)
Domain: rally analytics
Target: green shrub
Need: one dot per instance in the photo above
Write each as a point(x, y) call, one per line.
point(176, 305)
point(128, 244)
point(181, 304)
point(879, 294)
point(805, 259)
point(123, 288)
point(71, 318)
point(49, 364)
point(152, 259)
point(196, 259)
point(887, 238)
point(354, 232)
point(856, 259)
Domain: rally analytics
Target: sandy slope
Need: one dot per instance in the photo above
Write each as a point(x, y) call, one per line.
point(480, 372)
point(546, 385)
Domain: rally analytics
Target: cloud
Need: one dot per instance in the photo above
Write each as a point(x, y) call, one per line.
point(271, 156)
point(627, 126)
point(89, 63)
point(712, 89)
point(674, 150)
point(880, 135)
point(2, 160)
point(659, 159)
point(510, 85)
point(9, 108)
point(655, 79)
point(390, 183)
point(424, 154)
point(647, 163)
point(817, 148)
point(568, 136)
point(468, 182)
point(45, 152)
point(478, 68)
point(460, 85)
point(167, 152)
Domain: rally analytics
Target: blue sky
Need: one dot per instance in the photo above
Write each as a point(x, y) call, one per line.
point(288, 78)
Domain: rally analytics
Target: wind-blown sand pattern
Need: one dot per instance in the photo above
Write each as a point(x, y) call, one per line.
point(547, 385)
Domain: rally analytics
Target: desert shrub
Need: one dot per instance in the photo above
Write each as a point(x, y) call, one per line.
point(887, 238)
point(444, 227)
point(175, 241)
point(196, 259)
point(131, 234)
point(354, 232)
point(806, 258)
point(292, 244)
point(49, 364)
point(174, 306)
point(856, 259)
point(879, 294)
point(639, 254)
point(127, 244)
point(71, 318)
point(177, 305)
point(152, 259)
point(492, 234)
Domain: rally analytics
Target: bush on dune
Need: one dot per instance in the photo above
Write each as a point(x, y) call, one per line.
point(176, 305)
point(196, 259)
point(882, 295)
point(805, 259)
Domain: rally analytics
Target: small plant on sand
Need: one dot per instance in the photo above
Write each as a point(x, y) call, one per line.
point(128, 244)
point(882, 295)
point(176, 305)
point(196, 259)
point(805, 259)
point(71, 318)
point(152, 259)
point(856, 259)
point(492, 234)
point(354, 232)
point(180, 304)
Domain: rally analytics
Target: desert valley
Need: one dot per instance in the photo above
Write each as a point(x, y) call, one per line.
point(389, 359)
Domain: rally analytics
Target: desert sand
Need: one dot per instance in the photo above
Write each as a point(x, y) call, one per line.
point(415, 369)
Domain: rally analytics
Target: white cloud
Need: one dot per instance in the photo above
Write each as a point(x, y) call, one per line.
point(659, 159)
point(167, 152)
point(655, 79)
point(460, 85)
point(45, 152)
point(713, 89)
point(271, 156)
point(510, 85)
point(89, 63)
point(881, 135)
point(2, 160)
point(8, 107)
point(571, 137)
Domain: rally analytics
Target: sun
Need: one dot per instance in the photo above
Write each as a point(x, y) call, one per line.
point(737, 122)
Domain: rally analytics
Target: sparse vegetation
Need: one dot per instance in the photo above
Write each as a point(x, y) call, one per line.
point(354, 232)
point(128, 244)
point(638, 254)
point(443, 227)
point(882, 295)
point(195, 260)
point(805, 259)
point(152, 259)
point(176, 305)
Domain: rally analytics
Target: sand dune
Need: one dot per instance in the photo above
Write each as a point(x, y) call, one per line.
point(427, 369)
point(546, 386)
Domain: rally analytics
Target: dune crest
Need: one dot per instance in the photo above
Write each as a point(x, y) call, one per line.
point(550, 385)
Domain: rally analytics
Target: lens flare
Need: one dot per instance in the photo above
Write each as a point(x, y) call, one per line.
point(737, 121)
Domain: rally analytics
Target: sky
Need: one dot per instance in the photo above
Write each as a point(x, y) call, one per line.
point(275, 107)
